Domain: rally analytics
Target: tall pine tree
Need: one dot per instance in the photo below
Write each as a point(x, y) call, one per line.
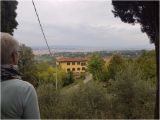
point(146, 13)
point(8, 16)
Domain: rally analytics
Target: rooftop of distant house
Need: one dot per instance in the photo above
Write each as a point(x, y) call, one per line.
point(62, 59)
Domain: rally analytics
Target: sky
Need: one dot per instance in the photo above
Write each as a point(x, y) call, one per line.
point(87, 23)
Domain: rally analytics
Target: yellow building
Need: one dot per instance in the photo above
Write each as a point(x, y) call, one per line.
point(76, 65)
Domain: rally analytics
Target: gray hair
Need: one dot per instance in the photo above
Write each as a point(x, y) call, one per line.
point(8, 45)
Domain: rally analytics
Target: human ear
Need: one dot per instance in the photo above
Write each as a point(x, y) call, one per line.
point(13, 58)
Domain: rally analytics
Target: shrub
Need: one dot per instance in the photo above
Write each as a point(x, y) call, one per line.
point(68, 79)
point(48, 99)
point(133, 97)
point(116, 64)
point(86, 102)
point(96, 66)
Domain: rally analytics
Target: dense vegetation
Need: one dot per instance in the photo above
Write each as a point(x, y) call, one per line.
point(146, 14)
point(124, 88)
point(8, 16)
point(128, 96)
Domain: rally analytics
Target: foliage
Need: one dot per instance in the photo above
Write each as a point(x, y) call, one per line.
point(8, 15)
point(144, 12)
point(132, 97)
point(48, 99)
point(68, 79)
point(147, 64)
point(128, 96)
point(147, 14)
point(27, 65)
point(96, 66)
point(83, 76)
point(89, 101)
point(116, 64)
point(45, 73)
point(40, 72)
point(46, 58)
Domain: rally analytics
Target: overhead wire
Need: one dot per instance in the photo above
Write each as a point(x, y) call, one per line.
point(41, 28)
point(44, 37)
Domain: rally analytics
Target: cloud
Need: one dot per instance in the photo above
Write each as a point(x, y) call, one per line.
point(76, 22)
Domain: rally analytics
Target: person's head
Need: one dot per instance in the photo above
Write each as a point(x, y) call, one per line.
point(9, 49)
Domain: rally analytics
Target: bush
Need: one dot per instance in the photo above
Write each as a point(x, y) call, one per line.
point(48, 99)
point(47, 74)
point(86, 102)
point(147, 64)
point(96, 66)
point(116, 64)
point(133, 97)
point(27, 65)
point(82, 76)
point(128, 96)
point(68, 79)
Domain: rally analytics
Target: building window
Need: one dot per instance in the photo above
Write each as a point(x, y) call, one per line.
point(78, 63)
point(73, 63)
point(68, 69)
point(68, 63)
point(83, 64)
point(83, 68)
point(73, 69)
point(78, 69)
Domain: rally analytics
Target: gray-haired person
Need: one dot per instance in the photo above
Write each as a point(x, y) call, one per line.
point(18, 97)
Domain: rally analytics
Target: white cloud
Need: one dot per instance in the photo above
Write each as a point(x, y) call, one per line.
point(76, 22)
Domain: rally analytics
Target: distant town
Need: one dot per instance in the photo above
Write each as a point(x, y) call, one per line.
point(78, 49)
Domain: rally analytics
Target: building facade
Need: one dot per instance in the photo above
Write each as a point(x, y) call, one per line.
point(76, 65)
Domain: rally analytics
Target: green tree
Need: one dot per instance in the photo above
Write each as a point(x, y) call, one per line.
point(8, 16)
point(27, 65)
point(46, 74)
point(133, 98)
point(146, 13)
point(115, 65)
point(96, 66)
point(62, 77)
point(147, 64)
point(69, 79)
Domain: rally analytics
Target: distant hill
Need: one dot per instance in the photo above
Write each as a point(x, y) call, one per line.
point(93, 47)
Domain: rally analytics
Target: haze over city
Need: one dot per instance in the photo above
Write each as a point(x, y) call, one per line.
point(85, 23)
